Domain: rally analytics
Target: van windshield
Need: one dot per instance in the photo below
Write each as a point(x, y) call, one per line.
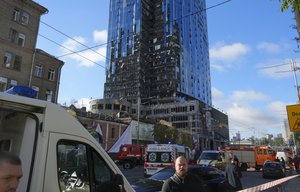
point(209, 156)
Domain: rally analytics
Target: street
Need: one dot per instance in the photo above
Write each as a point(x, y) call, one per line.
point(250, 178)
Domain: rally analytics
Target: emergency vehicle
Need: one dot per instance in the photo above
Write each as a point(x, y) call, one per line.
point(131, 155)
point(159, 156)
point(215, 158)
point(251, 156)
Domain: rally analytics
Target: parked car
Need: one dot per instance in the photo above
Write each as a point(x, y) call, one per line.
point(273, 170)
point(213, 179)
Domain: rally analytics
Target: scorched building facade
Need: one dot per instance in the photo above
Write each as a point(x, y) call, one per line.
point(158, 49)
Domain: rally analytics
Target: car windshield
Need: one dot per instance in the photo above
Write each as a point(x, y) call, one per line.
point(272, 165)
point(209, 156)
point(163, 174)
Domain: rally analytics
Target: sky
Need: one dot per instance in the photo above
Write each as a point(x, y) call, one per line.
point(252, 44)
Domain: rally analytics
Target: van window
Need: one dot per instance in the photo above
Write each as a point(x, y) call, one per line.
point(209, 156)
point(72, 167)
point(81, 168)
point(102, 173)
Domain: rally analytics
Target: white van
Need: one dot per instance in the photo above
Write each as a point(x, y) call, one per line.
point(213, 158)
point(58, 154)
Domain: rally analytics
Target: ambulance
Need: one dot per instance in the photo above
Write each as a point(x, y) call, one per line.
point(159, 156)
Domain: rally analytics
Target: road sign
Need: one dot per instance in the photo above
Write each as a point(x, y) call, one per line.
point(293, 112)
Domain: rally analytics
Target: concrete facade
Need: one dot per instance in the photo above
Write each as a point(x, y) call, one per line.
point(19, 21)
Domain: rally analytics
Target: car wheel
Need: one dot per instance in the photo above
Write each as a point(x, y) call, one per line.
point(127, 165)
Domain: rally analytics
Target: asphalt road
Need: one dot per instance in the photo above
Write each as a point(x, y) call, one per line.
point(250, 178)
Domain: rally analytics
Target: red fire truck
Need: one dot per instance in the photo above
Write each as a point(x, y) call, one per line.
point(131, 155)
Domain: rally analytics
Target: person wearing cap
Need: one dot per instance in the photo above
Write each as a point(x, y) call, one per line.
point(233, 174)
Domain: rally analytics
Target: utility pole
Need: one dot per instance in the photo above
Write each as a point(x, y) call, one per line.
point(294, 69)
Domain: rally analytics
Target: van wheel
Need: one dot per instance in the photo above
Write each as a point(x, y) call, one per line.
point(127, 165)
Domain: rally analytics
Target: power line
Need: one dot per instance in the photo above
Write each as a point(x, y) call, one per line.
point(72, 51)
point(88, 48)
point(67, 54)
point(272, 66)
point(197, 12)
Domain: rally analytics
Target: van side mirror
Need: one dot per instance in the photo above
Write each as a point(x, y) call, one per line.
point(119, 179)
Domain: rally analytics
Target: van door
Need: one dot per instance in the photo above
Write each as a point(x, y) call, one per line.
point(74, 165)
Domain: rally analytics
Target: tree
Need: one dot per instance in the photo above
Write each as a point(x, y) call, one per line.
point(286, 4)
point(165, 134)
point(278, 141)
point(186, 137)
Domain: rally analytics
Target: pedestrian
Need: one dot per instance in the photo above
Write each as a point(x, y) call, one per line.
point(290, 161)
point(182, 181)
point(233, 174)
point(10, 172)
point(296, 163)
point(282, 162)
point(277, 159)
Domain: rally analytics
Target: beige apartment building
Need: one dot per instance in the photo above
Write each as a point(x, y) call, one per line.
point(20, 62)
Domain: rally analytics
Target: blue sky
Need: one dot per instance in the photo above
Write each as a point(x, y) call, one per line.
point(245, 37)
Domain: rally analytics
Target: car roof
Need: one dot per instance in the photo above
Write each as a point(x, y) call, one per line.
point(211, 151)
point(269, 162)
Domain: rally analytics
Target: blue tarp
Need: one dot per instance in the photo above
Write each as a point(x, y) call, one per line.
point(22, 90)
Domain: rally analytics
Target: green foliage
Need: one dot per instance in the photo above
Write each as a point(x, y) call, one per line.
point(286, 4)
point(297, 139)
point(278, 141)
point(186, 139)
point(165, 134)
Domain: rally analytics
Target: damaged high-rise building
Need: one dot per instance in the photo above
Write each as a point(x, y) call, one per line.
point(158, 68)
point(158, 49)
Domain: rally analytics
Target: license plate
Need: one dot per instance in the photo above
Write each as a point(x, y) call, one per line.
point(151, 171)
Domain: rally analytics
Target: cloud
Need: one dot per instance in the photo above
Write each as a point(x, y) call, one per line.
point(248, 117)
point(230, 52)
point(227, 56)
point(217, 94)
point(219, 68)
point(248, 96)
point(268, 47)
point(84, 56)
point(100, 36)
point(83, 102)
point(279, 108)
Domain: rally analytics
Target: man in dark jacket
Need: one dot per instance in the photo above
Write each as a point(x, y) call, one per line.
point(182, 181)
point(233, 174)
